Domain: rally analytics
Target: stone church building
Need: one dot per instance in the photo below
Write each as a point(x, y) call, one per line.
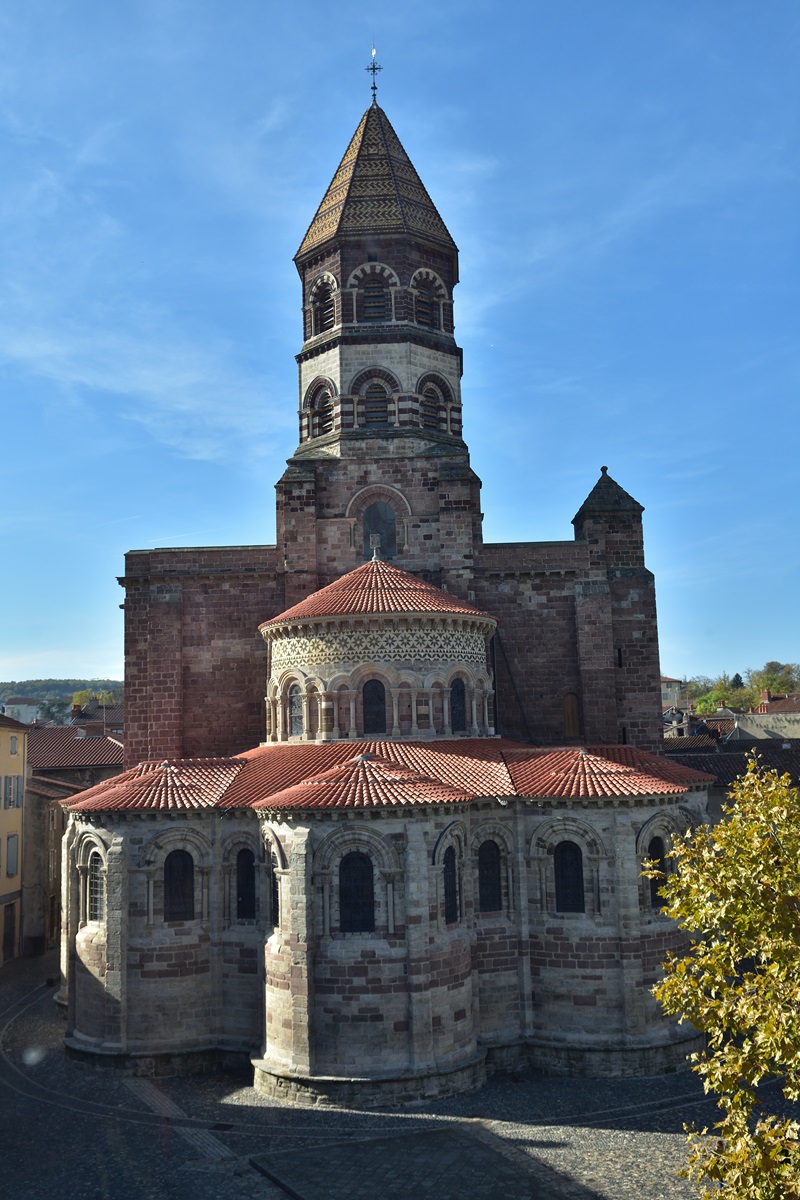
point(404, 845)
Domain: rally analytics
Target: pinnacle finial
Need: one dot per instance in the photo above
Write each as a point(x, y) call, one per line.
point(373, 69)
point(375, 543)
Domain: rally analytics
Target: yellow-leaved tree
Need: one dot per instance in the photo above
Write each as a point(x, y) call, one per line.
point(736, 892)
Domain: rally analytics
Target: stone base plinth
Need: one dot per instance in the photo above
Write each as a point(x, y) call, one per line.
point(352, 1092)
point(612, 1061)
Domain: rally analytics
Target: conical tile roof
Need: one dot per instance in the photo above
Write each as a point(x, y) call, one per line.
point(375, 190)
point(376, 587)
point(185, 784)
point(366, 781)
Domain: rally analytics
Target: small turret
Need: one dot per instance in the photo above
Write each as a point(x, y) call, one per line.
point(611, 517)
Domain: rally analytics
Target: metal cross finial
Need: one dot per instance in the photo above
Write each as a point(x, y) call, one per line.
point(373, 69)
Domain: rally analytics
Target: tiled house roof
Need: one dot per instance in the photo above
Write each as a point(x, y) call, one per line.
point(62, 746)
point(10, 723)
point(376, 587)
point(375, 190)
point(330, 775)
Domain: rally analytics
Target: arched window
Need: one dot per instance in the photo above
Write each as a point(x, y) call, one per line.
point(379, 518)
point(356, 894)
point(568, 865)
point(245, 885)
point(490, 888)
point(429, 407)
point(374, 302)
point(458, 706)
point(657, 852)
point(179, 886)
point(324, 308)
point(374, 698)
point(322, 414)
point(95, 888)
point(572, 717)
point(450, 882)
point(376, 405)
point(295, 711)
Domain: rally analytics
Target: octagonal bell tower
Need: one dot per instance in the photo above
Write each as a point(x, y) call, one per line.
point(380, 421)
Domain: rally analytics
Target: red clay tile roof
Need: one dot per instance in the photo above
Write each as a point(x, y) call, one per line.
point(312, 775)
point(578, 773)
point(376, 587)
point(58, 746)
point(366, 781)
point(190, 783)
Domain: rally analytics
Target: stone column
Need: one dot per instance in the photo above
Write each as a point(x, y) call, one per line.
point(395, 693)
point(473, 729)
point(353, 733)
point(446, 711)
point(414, 726)
point(486, 713)
point(305, 701)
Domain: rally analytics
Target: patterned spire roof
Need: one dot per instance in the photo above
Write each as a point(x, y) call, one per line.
point(375, 190)
point(376, 587)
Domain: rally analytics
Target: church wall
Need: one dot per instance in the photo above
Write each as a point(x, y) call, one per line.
point(194, 666)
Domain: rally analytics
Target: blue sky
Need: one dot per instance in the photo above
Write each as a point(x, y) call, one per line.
point(621, 180)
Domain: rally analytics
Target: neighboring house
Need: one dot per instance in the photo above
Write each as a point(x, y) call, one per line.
point(62, 761)
point(21, 708)
point(99, 718)
point(13, 751)
point(787, 702)
point(673, 692)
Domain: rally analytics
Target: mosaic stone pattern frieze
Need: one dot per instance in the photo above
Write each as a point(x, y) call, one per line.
point(379, 645)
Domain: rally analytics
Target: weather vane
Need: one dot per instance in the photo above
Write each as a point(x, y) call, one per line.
point(373, 69)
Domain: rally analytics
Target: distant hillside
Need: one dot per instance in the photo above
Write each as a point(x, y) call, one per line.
point(55, 689)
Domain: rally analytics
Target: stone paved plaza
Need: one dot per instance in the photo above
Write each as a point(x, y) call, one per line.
point(96, 1134)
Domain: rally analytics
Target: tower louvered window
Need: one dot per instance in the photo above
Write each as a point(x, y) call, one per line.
point(324, 309)
point(376, 405)
point(322, 418)
point(425, 307)
point(429, 408)
point(375, 302)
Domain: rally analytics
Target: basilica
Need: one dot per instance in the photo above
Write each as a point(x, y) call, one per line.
point(389, 787)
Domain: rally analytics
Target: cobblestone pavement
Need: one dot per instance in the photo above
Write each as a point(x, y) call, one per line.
point(99, 1135)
